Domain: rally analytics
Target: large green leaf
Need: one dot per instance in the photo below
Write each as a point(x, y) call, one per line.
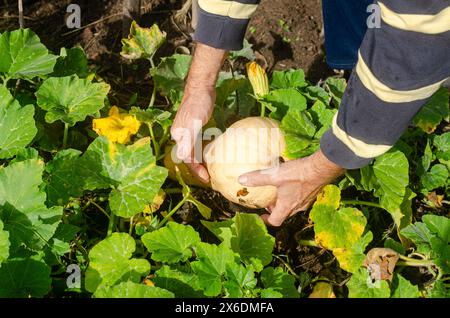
point(71, 99)
point(71, 61)
point(4, 243)
point(182, 283)
point(391, 171)
point(132, 290)
point(298, 129)
point(336, 87)
point(434, 111)
point(24, 278)
point(361, 285)
point(438, 225)
point(284, 99)
point(23, 56)
point(435, 178)
point(246, 235)
point(170, 74)
point(16, 125)
point(239, 280)
point(351, 258)
point(211, 266)
point(288, 79)
point(402, 288)
point(280, 281)
point(323, 117)
point(142, 42)
point(131, 171)
point(22, 205)
point(111, 262)
point(173, 243)
point(442, 143)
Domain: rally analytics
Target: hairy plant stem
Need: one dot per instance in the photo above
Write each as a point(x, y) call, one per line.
point(263, 109)
point(357, 202)
point(408, 261)
point(175, 209)
point(152, 99)
point(154, 141)
point(111, 224)
point(66, 133)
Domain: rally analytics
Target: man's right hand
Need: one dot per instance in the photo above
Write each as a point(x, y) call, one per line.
point(194, 112)
point(197, 106)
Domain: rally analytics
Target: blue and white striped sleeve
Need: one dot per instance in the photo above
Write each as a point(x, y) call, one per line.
point(222, 23)
point(400, 65)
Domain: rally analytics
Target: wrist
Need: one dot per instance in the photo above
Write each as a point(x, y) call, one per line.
point(325, 169)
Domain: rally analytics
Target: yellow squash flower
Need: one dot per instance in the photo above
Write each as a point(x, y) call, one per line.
point(117, 127)
point(258, 79)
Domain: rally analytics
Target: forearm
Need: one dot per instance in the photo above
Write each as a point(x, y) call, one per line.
point(400, 65)
point(205, 67)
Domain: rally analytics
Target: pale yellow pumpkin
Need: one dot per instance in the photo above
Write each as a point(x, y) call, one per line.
point(253, 143)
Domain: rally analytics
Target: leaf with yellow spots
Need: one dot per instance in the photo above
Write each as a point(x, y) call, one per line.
point(142, 42)
point(131, 172)
point(117, 127)
point(340, 230)
point(322, 290)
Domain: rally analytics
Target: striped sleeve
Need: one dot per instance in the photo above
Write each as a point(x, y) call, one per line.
point(222, 23)
point(400, 65)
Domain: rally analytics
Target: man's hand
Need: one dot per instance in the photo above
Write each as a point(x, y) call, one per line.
point(193, 114)
point(298, 182)
point(197, 105)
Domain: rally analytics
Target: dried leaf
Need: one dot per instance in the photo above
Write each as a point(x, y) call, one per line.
point(381, 263)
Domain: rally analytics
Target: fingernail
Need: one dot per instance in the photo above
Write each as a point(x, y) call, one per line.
point(243, 179)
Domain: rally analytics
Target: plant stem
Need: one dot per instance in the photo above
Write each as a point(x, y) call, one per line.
point(66, 133)
point(308, 243)
point(357, 202)
point(152, 99)
point(408, 261)
point(263, 109)
point(175, 209)
point(154, 142)
point(173, 190)
point(288, 267)
point(112, 221)
point(100, 208)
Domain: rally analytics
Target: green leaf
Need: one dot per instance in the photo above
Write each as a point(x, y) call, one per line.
point(442, 143)
point(183, 284)
point(438, 225)
point(239, 280)
point(22, 206)
point(111, 263)
point(142, 42)
point(391, 171)
point(70, 62)
point(439, 290)
point(279, 281)
point(245, 52)
point(361, 285)
point(24, 278)
point(425, 161)
point(132, 290)
point(270, 293)
point(433, 112)
point(211, 266)
point(322, 116)
point(336, 87)
point(402, 288)
point(16, 124)
point(288, 79)
point(298, 130)
point(284, 99)
point(131, 171)
point(227, 85)
point(170, 74)
point(420, 235)
point(173, 243)
point(441, 254)
point(71, 99)
point(316, 93)
point(246, 235)
point(4, 244)
point(435, 178)
point(23, 56)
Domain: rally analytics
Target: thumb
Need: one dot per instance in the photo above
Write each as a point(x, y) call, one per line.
point(257, 178)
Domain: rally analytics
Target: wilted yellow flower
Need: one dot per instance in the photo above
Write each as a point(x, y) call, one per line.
point(117, 127)
point(258, 79)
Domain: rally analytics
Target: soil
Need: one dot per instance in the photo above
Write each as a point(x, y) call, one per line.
point(285, 34)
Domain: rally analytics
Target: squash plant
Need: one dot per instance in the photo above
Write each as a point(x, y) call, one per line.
point(82, 183)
